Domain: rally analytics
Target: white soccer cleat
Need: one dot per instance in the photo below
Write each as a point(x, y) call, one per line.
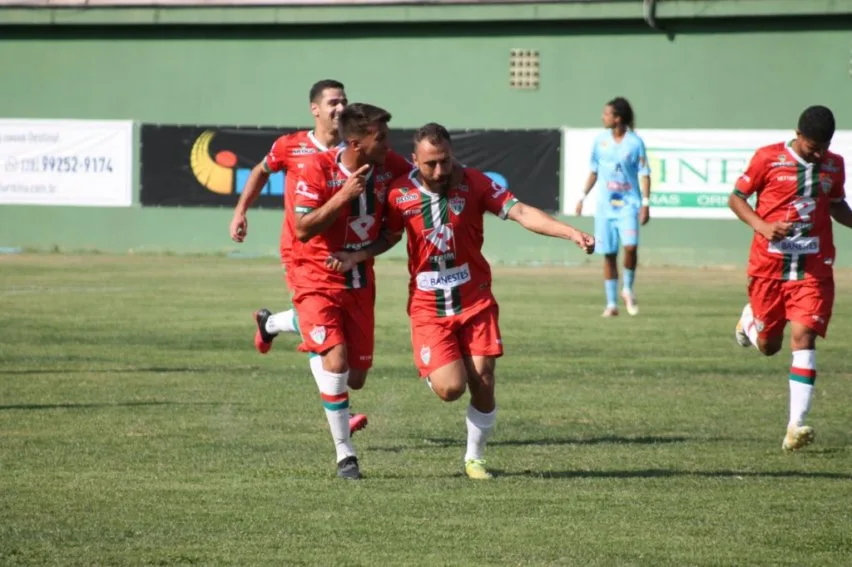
point(798, 436)
point(610, 311)
point(630, 303)
point(739, 333)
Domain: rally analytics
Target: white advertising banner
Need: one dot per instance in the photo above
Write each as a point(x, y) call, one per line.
point(692, 171)
point(66, 162)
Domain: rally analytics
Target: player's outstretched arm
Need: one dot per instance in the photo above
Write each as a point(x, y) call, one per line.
point(254, 185)
point(536, 220)
point(841, 213)
point(771, 231)
point(345, 261)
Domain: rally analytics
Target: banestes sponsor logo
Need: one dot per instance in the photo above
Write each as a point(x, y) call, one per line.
point(444, 279)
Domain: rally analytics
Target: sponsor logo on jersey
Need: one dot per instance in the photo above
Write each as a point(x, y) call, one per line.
point(795, 245)
point(406, 198)
point(443, 279)
point(303, 150)
point(302, 189)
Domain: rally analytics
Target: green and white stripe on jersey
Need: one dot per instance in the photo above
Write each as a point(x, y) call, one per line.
point(436, 220)
point(807, 182)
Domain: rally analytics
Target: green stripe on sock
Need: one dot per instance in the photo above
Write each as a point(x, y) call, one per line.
point(335, 406)
point(802, 379)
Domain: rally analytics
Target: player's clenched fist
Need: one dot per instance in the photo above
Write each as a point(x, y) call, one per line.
point(776, 230)
point(585, 241)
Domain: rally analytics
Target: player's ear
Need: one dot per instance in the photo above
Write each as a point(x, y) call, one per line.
point(315, 109)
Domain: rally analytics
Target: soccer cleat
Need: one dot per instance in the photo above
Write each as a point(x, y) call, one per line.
point(348, 468)
point(610, 311)
point(798, 436)
point(262, 338)
point(357, 422)
point(475, 469)
point(741, 336)
point(630, 302)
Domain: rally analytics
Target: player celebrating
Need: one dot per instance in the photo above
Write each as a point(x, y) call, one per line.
point(454, 326)
point(619, 160)
point(799, 185)
point(289, 153)
point(339, 204)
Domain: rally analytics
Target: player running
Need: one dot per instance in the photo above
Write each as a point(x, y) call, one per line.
point(800, 187)
point(620, 163)
point(339, 205)
point(289, 154)
point(454, 316)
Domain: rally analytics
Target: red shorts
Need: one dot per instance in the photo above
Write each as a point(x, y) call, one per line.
point(331, 317)
point(774, 302)
point(439, 341)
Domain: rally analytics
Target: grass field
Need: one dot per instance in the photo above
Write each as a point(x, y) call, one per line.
point(139, 426)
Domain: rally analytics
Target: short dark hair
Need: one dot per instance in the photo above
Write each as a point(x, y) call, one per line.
point(358, 118)
point(320, 86)
point(622, 109)
point(433, 132)
point(817, 123)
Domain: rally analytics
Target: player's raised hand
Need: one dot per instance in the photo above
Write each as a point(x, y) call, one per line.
point(341, 262)
point(357, 183)
point(776, 230)
point(239, 227)
point(586, 242)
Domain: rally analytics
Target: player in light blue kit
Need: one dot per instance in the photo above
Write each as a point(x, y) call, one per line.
point(619, 166)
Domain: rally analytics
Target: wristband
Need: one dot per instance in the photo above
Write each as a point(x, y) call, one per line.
point(646, 201)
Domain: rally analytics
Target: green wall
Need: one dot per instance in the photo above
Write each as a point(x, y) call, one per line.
point(714, 74)
point(705, 74)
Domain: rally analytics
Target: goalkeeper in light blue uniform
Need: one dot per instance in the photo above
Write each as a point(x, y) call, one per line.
point(619, 166)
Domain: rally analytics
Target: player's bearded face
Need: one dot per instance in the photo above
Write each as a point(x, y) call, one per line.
point(435, 162)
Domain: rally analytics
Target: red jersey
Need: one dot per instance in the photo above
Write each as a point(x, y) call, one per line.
point(448, 272)
point(790, 189)
point(356, 227)
point(289, 153)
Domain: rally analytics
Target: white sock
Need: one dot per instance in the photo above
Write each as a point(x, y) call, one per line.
point(479, 428)
point(802, 378)
point(284, 322)
point(747, 321)
point(335, 399)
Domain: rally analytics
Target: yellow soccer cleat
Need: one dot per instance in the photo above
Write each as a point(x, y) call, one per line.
point(798, 436)
point(475, 469)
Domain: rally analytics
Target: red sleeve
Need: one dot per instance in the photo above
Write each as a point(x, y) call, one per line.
point(753, 178)
point(393, 215)
point(838, 191)
point(311, 189)
point(493, 197)
point(276, 159)
point(397, 165)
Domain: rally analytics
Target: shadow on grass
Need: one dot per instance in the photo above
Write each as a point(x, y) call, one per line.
point(668, 473)
point(108, 405)
point(136, 370)
point(431, 443)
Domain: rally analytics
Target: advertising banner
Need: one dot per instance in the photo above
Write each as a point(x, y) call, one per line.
point(209, 166)
point(692, 171)
point(66, 162)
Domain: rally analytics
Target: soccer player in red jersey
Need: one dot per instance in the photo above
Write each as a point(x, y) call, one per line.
point(339, 205)
point(800, 187)
point(289, 154)
point(454, 317)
